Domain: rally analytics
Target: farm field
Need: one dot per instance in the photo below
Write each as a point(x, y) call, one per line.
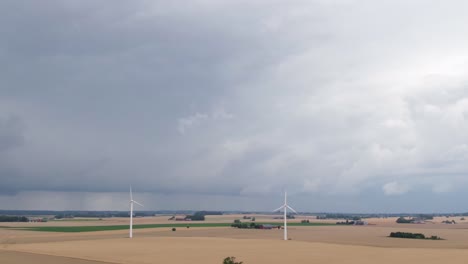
point(213, 242)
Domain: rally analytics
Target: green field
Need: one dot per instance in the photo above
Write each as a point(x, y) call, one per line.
point(123, 227)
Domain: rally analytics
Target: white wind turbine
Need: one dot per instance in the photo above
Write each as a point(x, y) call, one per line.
point(131, 211)
point(285, 207)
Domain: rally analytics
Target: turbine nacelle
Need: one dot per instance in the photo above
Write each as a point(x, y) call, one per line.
point(285, 206)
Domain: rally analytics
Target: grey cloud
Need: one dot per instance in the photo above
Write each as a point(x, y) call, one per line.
point(328, 99)
point(11, 133)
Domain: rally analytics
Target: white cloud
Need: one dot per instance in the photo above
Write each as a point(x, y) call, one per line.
point(188, 122)
point(221, 114)
point(312, 185)
point(394, 123)
point(196, 119)
point(395, 188)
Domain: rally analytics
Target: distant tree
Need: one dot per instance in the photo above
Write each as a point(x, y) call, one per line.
point(198, 216)
point(173, 229)
point(231, 260)
point(403, 220)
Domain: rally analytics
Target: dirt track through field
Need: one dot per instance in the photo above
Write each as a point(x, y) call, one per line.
point(12, 257)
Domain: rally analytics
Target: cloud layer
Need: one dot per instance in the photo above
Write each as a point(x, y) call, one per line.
point(232, 99)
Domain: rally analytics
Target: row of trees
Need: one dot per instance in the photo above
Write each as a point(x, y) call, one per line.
point(210, 212)
point(237, 223)
point(412, 235)
point(449, 222)
point(402, 220)
point(98, 214)
point(288, 216)
point(250, 225)
point(200, 215)
point(425, 216)
point(347, 222)
point(8, 218)
point(339, 216)
point(415, 219)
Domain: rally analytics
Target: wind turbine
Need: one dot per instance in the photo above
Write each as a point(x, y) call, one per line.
point(131, 211)
point(285, 207)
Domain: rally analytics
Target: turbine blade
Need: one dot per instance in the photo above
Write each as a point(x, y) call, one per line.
point(131, 196)
point(291, 209)
point(282, 207)
point(138, 203)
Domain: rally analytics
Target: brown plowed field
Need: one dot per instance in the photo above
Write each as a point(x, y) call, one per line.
point(319, 244)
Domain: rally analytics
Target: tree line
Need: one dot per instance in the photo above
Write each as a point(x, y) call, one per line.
point(8, 218)
point(412, 235)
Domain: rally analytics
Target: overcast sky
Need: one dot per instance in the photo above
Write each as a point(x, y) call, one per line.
point(351, 106)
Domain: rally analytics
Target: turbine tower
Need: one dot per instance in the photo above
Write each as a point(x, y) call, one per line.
point(285, 207)
point(131, 211)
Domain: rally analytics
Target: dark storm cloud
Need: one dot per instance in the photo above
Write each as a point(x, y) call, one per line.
point(228, 98)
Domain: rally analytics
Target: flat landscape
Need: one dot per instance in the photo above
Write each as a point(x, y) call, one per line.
point(211, 242)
